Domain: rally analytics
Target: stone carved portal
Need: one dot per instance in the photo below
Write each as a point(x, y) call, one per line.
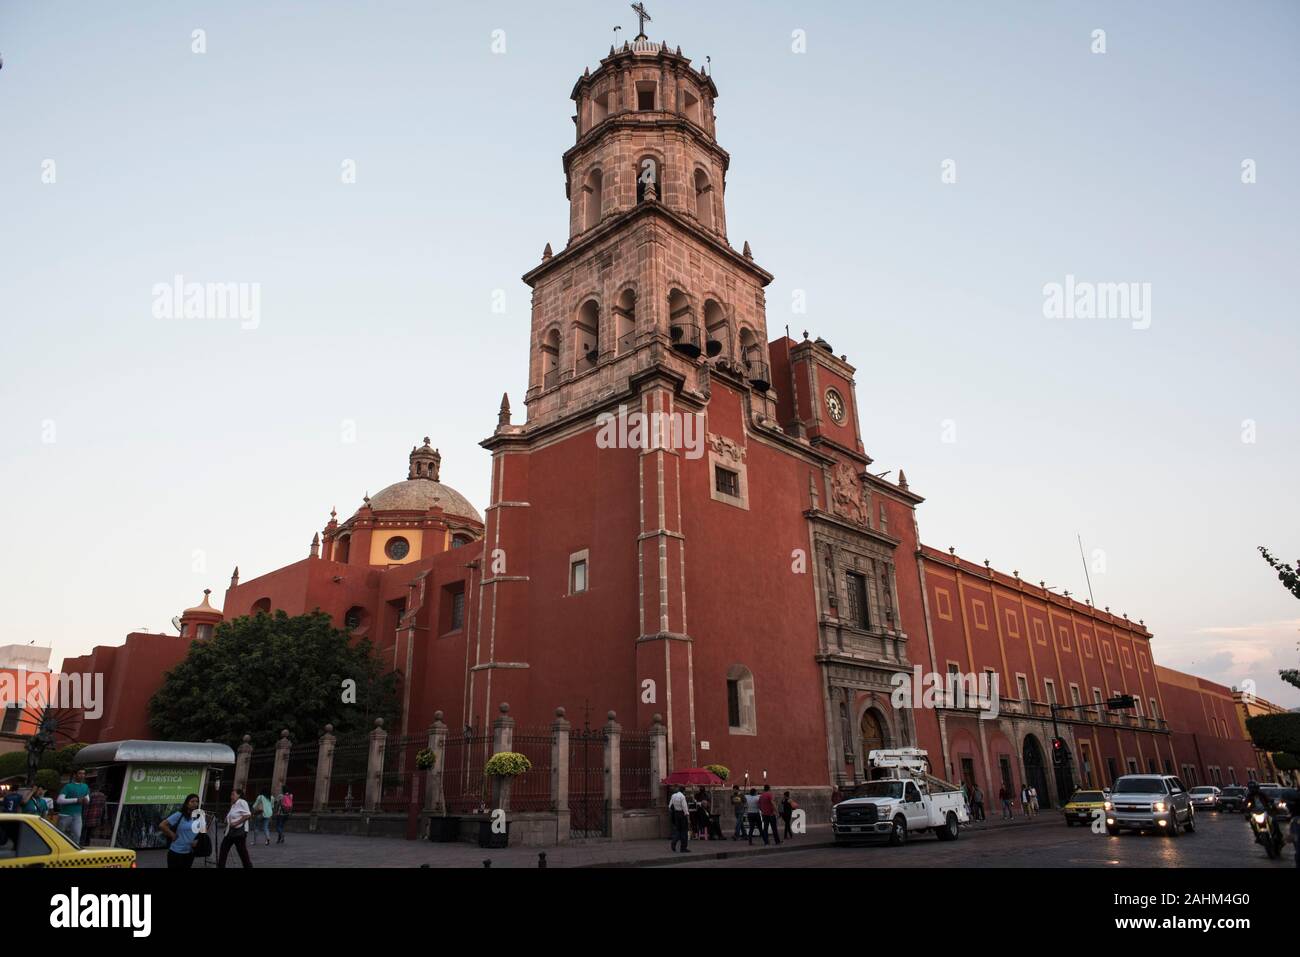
point(846, 491)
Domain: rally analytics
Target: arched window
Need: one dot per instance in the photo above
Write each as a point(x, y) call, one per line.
point(342, 548)
point(682, 327)
point(355, 619)
point(551, 359)
point(742, 716)
point(460, 540)
point(625, 321)
point(703, 199)
point(261, 607)
point(592, 190)
point(718, 340)
point(587, 336)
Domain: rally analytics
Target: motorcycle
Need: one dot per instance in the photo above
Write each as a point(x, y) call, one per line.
point(1268, 831)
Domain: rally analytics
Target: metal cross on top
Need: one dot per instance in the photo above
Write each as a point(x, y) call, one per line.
point(642, 17)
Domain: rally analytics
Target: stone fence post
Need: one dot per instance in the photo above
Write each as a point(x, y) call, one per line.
point(503, 738)
point(375, 766)
point(324, 768)
point(281, 770)
point(243, 757)
point(560, 774)
point(613, 764)
point(658, 759)
point(435, 798)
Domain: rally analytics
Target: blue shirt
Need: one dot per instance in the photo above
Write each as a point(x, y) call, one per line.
point(184, 843)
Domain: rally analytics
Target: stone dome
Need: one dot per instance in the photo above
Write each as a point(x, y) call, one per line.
point(421, 494)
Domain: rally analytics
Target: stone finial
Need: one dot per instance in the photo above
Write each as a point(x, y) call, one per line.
point(656, 718)
point(1016, 572)
point(437, 716)
point(366, 500)
point(952, 551)
point(503, 416)
point(679, 51)
point(586, 72)
point(284, 733)
point(315, 545)
point(234, 577)
point(987, 563)
point(902, 479)
point(805, 335)
point(247, 738)
point(748, 253)
point(379, 724)
point(611, 715)
point(504, 707)
point(560, 712)
point(546, 253)
point(333, 513)
point(329, 729)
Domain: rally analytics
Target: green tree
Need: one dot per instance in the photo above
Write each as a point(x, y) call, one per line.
point(259, 674)
point(1289, 576)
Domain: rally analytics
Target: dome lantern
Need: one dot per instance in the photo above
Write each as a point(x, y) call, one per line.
point(425, 462)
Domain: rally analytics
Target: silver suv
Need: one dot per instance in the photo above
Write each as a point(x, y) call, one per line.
point(1157, 802)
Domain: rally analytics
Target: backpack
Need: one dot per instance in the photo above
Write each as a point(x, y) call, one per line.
point(286, 802)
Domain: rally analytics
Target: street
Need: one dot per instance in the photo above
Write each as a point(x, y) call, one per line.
point(1220, 841)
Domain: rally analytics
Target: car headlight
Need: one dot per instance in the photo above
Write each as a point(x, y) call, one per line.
point(1109, 806)
point(1259, 818)
point(1158, 807)
point(1281, 805)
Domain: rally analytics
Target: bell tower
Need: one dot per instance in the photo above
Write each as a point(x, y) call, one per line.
point(648, 276)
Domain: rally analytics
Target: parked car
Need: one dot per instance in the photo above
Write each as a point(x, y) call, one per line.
point(27, 840)
point(1150, 802)
point(1205, 797)
point(1083, 807)
point(1230, 799)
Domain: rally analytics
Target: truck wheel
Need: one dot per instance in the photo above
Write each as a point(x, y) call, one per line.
point(1191, 822)
point(950, 829)
point(898, 836)
point(1172, 829)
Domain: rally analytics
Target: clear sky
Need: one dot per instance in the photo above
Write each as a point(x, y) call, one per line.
point(144, 457)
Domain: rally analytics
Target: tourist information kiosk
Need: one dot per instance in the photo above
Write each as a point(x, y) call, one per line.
point(144, 781)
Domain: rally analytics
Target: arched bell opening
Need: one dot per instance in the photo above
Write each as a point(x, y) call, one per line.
point(625, 321)
point(683, 329)
point(587, 337)
point(756, 368)
point(718, 332)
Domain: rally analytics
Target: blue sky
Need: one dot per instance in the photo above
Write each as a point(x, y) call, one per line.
point(144, 457)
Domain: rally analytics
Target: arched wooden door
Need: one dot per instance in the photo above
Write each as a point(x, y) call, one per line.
point(873, 733)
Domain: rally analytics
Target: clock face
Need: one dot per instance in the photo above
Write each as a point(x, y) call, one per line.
point(835, 406)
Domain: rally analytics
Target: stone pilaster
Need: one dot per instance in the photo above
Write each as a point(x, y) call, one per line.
point(658, 759)
point(324, 768)
point(281, 770)
point(435, 796)
point(243, 757)
point(613, 764)
point(375, 765)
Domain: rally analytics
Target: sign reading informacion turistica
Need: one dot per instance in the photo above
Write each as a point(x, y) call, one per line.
point(161, 783)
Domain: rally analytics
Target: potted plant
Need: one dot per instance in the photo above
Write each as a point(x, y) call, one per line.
point(425, 759)
point(721, 770)
point(503, 767)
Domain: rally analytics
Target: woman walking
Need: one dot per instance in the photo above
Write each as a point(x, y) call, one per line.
point(182, 828)
point(262, 811)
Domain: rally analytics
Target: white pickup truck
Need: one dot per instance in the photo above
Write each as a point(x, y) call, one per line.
point(901, 799)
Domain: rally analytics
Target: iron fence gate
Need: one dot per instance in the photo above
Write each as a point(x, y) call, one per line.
point(588, 814)
point(635, 780)
point(464, 785)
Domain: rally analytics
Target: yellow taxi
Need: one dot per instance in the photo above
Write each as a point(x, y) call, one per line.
point(27, 840)
point(1083, 806)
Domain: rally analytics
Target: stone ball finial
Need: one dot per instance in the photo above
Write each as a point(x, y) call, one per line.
point(504, 707)
point(379, 722)
point(611, 715)
point(247, 738)
point(284, 733)
point(329, 729)
point(437, 716)
point(559, 712)
point(657, 718)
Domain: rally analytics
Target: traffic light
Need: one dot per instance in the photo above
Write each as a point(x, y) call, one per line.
point(1120, 702)
point(1058, 751)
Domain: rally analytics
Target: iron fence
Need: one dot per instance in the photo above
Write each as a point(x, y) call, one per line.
point(464, 785)
point(531, 791)
point(347, 791)
point(636, 782)
point(588, 812)
point(401, 783)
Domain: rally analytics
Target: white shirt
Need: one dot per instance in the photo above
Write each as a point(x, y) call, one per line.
point(238, 810)
point(678, 802)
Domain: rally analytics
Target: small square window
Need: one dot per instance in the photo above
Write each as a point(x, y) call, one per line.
point(578, 577)
point(726, 481)
point(458, 611)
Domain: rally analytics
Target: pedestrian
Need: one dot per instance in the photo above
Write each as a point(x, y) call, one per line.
point(679, 815)
point(767, 808)
point(1033, 799)
point(978, 798)
point(34, 803)
point(1004, 795)
point(12, 802)
point(95, 810)
point(236, 829)
point(1024, 800)
point(703, 807)
point(788, 807)
point(283, 808)
point(263, 809)
point(753, 818)
point(72, 801)
point(738, 808)
point(181, 829)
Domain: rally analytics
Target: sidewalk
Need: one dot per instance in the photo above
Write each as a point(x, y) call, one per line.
point(342, 851)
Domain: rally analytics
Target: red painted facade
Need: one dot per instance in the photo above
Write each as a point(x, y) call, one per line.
point(760, 588)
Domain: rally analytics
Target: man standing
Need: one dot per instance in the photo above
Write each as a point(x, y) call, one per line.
point(72, 799)
point(236, 829)
point(1004, 795)
point(1024, 799)
point(978, 799)
point(753, 818)
point(679, 816)
point(738, 808)
point(767, 808)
